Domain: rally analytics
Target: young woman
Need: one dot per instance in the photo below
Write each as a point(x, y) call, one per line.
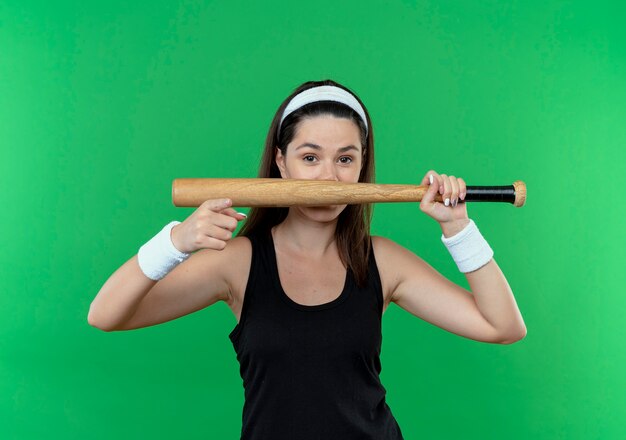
point(309, 285)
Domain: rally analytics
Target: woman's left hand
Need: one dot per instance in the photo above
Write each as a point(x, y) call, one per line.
point(452, 189)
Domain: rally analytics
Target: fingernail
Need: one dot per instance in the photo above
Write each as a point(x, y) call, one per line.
point(454, 202)
point(241, 213)
point(430, 177)
point(447, 202)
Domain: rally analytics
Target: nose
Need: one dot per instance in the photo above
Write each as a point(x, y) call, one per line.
point(328, 172)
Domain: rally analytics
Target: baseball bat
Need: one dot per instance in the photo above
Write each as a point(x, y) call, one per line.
point(276, 192)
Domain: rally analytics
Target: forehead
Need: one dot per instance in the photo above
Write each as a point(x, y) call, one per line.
point(328, 130)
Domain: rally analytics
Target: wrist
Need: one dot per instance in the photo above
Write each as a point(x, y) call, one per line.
point(453, 227)
point(159, 256)
point(468, 248)
point(173, 240)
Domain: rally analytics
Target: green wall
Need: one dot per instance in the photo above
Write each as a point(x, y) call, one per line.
point(103, 104)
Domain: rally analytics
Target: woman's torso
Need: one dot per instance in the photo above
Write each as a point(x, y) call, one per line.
point(310, 362)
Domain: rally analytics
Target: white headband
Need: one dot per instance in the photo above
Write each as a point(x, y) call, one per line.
point(324, 93)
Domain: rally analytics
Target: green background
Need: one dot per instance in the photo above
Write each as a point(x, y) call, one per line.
point(103, 104)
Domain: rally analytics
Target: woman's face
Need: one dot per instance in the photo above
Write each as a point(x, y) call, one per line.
point(323, 148)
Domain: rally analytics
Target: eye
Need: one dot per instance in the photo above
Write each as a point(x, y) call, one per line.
point(308, 158)
point(346, 159)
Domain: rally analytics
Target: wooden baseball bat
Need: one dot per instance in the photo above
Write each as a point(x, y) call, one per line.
point(262, 192)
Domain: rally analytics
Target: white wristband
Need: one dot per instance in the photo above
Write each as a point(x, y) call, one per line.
point(159, 256)
point(468, 248)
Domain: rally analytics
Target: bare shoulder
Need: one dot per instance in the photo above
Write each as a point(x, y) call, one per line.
point(239, 251)
point(384, 251)
point(387, 249)
point(237, 247)
point(235, 265)
point(394, 261)
point(382, 243)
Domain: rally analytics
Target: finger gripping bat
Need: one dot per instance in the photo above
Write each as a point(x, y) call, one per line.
point(271, 192)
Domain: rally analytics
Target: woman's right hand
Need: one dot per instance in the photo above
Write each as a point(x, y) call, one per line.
point(208, 227)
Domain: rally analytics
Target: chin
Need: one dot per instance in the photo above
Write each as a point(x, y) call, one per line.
point(324, 214)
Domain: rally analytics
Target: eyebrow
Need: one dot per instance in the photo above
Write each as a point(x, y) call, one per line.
point(317, 147)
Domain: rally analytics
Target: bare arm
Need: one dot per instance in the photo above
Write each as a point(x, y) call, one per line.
point(208, 276)
point(120, 296)
point(129, 299)
point(493, 295)
point(494, 298)
point(487, 313)
point(418, 288)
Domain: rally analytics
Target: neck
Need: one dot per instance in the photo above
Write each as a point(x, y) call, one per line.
point(303, 235)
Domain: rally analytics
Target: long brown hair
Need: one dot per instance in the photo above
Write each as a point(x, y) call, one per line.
point(353, 225)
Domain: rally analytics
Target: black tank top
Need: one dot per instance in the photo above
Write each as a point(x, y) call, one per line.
point(310, 372)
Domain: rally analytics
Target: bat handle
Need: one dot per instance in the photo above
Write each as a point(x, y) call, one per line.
point(515, 194)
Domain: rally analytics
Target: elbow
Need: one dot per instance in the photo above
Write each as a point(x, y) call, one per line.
point(515, 337)
point(92, 321)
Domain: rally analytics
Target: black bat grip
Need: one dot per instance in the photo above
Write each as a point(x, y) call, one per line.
point(514, 194)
